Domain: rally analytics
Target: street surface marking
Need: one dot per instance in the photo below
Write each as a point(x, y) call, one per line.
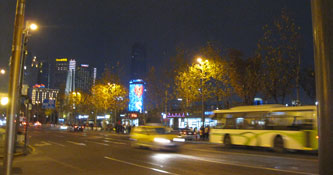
point(65, 164)
point(242, 165)
point(42, 144)
point(77, 143)
point(57, 143)
point(105, 144)
point(120, 143)
point(254, 155)
point(141, 166)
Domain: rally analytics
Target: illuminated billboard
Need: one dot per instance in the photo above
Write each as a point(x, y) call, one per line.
point(136, 97)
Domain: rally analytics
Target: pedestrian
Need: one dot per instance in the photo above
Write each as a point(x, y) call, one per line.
point(201, 131)
point(129, 129)
point(206, 132)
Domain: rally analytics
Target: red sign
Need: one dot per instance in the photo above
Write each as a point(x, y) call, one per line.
point(133, 115)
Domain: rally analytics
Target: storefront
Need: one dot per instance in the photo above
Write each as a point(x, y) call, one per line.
point(130, 119)
point(180, 120)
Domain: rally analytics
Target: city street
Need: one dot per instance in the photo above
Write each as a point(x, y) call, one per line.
point(62, 152)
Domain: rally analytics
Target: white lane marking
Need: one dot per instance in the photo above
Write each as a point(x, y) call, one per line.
point(116, 140)
point(120, 143)
point(141, 166)
point(77, 143)
point(254, 155)
point(66, 164)
point(105, 144)
point(247, 166)
point(42, 144)
point(57, 143)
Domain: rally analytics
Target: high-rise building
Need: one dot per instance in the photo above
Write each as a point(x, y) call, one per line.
point(85, 77)
point(70, 80)
point(59, 74)
point(43, 76)
point(31, 70)
point(138, 61)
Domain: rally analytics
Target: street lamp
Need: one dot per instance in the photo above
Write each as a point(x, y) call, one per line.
point(201, 63)
point(2, 71)
point(4, 101)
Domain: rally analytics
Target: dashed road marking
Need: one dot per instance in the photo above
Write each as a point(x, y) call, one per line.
point(57, 143)
point(141, 166)
point(77, 143)
point(43, 143)
point(105, 144)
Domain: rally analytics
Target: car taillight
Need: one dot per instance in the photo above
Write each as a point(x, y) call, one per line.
point(82, 126)
point(75, 126)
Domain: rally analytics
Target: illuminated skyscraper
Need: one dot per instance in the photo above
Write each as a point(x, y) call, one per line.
point(70, 81)
point(59, 73)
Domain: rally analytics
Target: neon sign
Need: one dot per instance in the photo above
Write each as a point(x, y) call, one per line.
point(39, 86)
point(136, 98)
point(179, 115)
point(61, 59)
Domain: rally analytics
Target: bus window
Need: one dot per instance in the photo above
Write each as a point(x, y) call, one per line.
point(290, 120)
point(229, 123)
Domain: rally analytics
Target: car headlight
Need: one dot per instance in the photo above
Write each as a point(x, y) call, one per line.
point(161, 140)
point(178, 139)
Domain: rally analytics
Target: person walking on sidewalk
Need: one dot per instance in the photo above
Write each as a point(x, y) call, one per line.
point(202, 132)
point(207, 132)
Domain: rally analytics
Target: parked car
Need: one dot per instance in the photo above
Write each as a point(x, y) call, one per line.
point(155, 138)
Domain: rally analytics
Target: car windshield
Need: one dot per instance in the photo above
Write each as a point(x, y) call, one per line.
point(158, 130)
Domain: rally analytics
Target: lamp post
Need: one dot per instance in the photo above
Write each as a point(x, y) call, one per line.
point(2, 71)
point(26, 34)
point(201, 63)
point(29, 27)
point(13, 86)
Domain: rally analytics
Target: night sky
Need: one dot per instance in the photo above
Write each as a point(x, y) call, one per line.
point(103, 31)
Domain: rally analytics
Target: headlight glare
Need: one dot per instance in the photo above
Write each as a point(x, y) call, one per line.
point(161, 140)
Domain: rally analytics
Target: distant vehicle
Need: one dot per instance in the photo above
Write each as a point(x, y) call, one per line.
point(76, 128)
point(37, 124)
point(155, 138)
point(63, 127)
point(275, 126)
point(188, 134)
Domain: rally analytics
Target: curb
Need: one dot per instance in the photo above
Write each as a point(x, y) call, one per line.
point(22, 153)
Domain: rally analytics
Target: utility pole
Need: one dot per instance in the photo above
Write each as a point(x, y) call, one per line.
point(14, 85)
point(322, 23)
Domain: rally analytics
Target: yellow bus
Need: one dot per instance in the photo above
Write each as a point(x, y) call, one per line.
point(274, 126)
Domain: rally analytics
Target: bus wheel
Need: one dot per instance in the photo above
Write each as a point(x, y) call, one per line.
point(278, 144)
point(227, 141)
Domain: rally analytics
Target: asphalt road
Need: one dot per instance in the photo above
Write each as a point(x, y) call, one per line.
point(62, 152)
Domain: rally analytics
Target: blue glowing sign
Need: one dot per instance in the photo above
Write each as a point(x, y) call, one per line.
point(136, 97)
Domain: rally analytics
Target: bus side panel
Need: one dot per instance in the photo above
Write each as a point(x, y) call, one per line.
point(216, 135)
